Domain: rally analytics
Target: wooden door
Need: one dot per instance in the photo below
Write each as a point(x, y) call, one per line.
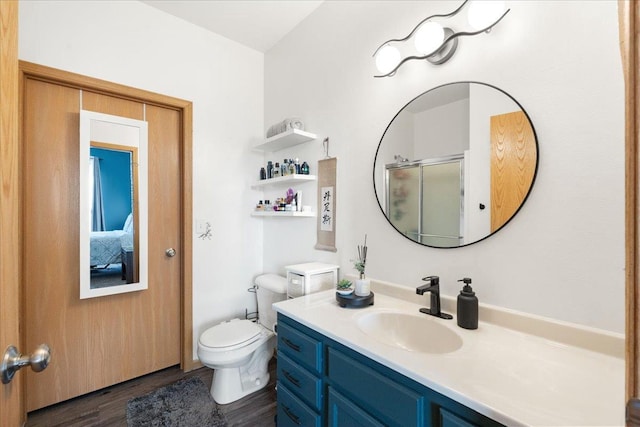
point(11, 395)
point(513, 165)
point(629, 27)
point(101, 341)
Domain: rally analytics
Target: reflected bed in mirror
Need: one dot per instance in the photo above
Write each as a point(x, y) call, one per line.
point(113, 214)
point(455, 164)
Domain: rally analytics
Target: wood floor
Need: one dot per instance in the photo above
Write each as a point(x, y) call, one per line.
point(107, 407)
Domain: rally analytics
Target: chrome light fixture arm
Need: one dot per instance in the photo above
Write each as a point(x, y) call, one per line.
point(450, 38)
point(447, 15)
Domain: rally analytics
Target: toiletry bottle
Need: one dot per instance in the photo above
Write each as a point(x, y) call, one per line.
point(284, 168)
point(297, 165)
point(304, 169)
point(467, 306)
point(269, 169)
point(298, 200)
point(276, 170)
point(263, 173)
point(292, 167)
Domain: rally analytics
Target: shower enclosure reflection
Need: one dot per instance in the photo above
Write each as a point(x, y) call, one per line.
point(426, 199)
point(113, 214)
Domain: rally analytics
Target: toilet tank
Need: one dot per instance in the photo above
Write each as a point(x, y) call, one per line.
point(270, 288)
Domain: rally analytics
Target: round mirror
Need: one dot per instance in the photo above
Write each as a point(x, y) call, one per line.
point(455, 164)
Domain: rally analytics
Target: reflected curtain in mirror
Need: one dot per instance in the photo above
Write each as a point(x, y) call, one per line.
point(97, 208)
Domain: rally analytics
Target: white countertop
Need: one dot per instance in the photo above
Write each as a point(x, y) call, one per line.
point(509, 376)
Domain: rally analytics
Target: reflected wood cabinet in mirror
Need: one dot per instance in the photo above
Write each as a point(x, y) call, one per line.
point(455, 164)
point(513, 165)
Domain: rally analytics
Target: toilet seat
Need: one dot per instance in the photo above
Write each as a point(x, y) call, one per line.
point(230, 335)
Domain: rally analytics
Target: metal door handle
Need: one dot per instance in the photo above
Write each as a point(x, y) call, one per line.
point(170, 252)
point(13, 361)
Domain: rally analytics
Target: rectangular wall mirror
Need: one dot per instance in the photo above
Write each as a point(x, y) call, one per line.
point(113, 205)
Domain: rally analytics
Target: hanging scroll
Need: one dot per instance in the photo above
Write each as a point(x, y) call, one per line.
point(327, 205)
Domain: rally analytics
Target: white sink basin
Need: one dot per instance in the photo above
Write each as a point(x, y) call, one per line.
point(410, 332)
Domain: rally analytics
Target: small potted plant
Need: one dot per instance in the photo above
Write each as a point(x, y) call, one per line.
point(344, 287)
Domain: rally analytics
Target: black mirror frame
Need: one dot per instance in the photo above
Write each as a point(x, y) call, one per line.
point(524, 200)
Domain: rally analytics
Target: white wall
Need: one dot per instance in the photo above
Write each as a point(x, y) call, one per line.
point(563, 254)
point(442, 131)
point(134, 44)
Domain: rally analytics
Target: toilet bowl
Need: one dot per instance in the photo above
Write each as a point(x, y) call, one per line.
point(239, 350)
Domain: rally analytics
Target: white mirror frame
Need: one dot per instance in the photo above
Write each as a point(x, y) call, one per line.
point(110, 129)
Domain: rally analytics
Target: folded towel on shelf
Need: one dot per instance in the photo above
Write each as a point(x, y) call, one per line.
point(285, 125)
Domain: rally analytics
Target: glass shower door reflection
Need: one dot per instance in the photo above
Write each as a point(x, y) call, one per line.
point(403, 209)
point(442, 204)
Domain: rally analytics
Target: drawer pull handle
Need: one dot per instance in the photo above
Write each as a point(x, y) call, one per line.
point(290, 414)
point(293, 380)
point(291, 345)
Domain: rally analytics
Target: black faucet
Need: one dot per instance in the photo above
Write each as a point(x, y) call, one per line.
point(434, 287)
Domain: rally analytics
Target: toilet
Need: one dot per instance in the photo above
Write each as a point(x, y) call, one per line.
point(239, 350)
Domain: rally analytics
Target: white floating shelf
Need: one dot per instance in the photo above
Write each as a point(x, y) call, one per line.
point(287, 214)
point(284, 180)
point(285, 140)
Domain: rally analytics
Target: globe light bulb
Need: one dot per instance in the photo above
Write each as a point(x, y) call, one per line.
point(429, 37)
point(483, 13)
point(387, 58)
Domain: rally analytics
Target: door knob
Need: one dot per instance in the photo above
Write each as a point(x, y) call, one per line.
point(13, 361)
point(170, 252)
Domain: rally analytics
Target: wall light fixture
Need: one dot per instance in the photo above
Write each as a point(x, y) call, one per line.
point(433, 41)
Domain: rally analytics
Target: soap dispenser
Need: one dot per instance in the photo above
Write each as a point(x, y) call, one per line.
point(467, 306)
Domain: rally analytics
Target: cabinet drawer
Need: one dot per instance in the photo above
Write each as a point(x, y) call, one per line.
point(387, 400)
point(344, 413)
point(293, 412)
point(447, 419)
point(305, 385)
point(453, 414)
point(300, 347)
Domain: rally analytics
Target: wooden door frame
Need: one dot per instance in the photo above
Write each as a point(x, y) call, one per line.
point(28, 70)
point(12, 396)
point(628, 16)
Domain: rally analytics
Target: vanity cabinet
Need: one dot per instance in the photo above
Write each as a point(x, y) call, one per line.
point(300, 372)
point(322, 382)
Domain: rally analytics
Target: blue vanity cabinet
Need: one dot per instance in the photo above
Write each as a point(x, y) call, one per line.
point(333, 385)
point(343, 412)
point(375, 391)
point(306, 386)
point(300, 372)
point(294, 412)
